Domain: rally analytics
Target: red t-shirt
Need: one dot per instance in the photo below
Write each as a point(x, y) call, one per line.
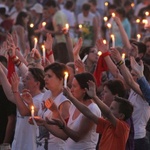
point(113, 138)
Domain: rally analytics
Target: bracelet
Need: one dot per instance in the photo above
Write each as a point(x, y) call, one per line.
point(105, 54)
point(37, 60)
point(120, 63)
point(50, 53)
point(18, 64)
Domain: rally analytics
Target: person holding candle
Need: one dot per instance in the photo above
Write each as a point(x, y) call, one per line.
point(54, 82)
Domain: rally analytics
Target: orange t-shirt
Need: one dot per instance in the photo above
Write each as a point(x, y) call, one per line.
point(113, 138)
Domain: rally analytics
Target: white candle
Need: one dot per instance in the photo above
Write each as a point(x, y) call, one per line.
point(44, 55)
point(65, 79)
point(32, 112)
point(35, 42)
point(138, 37)
point(84, 59)
point(32, 115)
point(113, 40)
point(123, 56)
point(67, 27)
point(99, 53)
point(80, 27)
point(109, 25)
point(113, 15)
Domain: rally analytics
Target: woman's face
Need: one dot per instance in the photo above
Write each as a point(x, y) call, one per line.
point(52, 82)
point(93, 55)
point(107, 96)
point(76, 90)
point(29, 81)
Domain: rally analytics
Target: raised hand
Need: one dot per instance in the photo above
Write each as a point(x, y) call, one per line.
point(80, 66)
point(91, 91)
point(51, 105)
point(77, 47)
point(101, 46)
point(3, 49)
point(27, 98)
point(67, 93)
point(115, 55)
point(138, 68)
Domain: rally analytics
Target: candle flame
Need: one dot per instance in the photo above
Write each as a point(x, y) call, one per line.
point(109, 25)
point(106, 3)
point(43, 24)
point(67, 26)
point(113, 15)
point(104, 41)
point(123, 56)
point(137, 20)
point(132, 5)
point(66, 74)
point(112, 36)
point(32, 107)
point(31, 25)
point(105, 18)
point(99, 53)
point(147, 13)
point(35, 39)
point(80, 26)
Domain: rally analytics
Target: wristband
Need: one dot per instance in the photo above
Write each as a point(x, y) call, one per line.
point(105, 54)
point(49, 54)
point(120, 63)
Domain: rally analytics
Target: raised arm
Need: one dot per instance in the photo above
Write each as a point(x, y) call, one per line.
point(125, 72)
point(143, 83)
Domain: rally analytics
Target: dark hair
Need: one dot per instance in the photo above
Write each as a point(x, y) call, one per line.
point(116, 87)
point(38, 75)
point(69, 4)
point(58, 69)
point(121, 11)
point(50, 3)
point(127, 3)
point(111, 6)
point(82, 79)
point(146, 72)
point(20, 17)
point(86, 7)
point(125, 107)
point(84, 51)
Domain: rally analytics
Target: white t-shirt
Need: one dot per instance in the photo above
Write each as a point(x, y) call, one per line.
point(46, 138)
point(90, 139)
point(141, 114)
point(25, 134)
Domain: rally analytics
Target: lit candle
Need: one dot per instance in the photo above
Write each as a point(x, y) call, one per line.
point(32, 112)
point(43, 24)
point(65, 79)
point(113, 15)
point(146, 13)
point(44, 56)
point(123, 56)
point(32, 115)
point(106, 4)
point(67, 27)
point(31, 25)
point(138, 37)
point(132, 5)
point(105, 18)
point(80, 27)
point(84, 59)
point(35, 42)
point(137, 20)
point(104, 41)
point(109, 25)
point(113, 40)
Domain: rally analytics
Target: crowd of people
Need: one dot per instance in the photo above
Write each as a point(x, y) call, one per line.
point(75, 74)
